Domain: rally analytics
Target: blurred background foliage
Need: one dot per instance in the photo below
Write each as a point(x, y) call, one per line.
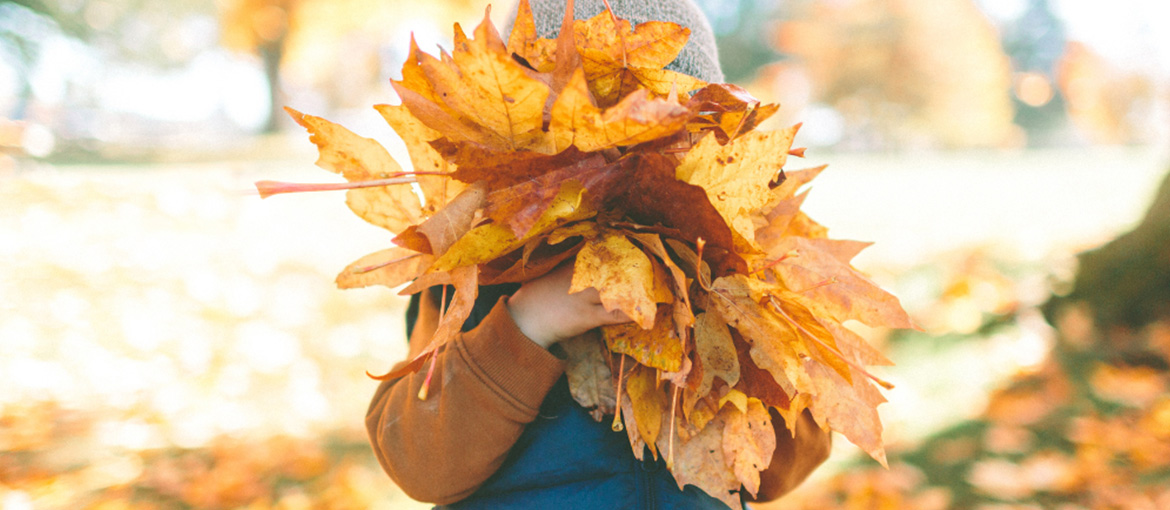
point(169, 341)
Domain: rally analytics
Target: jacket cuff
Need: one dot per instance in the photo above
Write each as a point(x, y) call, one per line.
point(517, 367)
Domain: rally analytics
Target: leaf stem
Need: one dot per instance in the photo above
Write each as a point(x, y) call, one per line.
point(786, 256)
point(673, 431)
point(775, 306)
point(375, 267)
point(422, 392)
point(621, 34)
point(269, 188)
point(617, 415)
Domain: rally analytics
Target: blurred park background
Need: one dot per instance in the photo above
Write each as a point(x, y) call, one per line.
point(167, 340)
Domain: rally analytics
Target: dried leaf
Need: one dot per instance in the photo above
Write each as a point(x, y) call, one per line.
point(850, 409)
point(699, 461)
point(648, 404)
point(637, 118)
point(716, 351)
point(659, 347)
point(524, 41)
point(618, 60)
point(738, 182)
point(453, 221)
point(833, 288)
point(590, 380)
point(621, 273)
point(748, 443)
point(391, 268)
point(483, 84)
point(439, 190)
point(363, 159)
point(740, 300)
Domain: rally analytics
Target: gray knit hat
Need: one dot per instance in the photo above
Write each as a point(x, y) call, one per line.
point(700, 57)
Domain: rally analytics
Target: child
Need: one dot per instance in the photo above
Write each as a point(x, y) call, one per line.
point(501, 429)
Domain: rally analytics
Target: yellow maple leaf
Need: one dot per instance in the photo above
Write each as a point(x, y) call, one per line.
point(736, 176)
point(637, 118)
point(622, 274)
point(438, 189)
point(618, 59)
point(363, 159)
point(658, 347)
point(648, 404)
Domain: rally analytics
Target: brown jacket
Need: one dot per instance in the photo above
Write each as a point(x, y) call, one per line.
point(487, 386)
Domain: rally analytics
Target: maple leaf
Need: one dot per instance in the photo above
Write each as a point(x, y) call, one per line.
point(659, 347)
point(748, 443)
point(465, 281)
point(587, 369)
point(653, 196)
point(637, 118)
point(740, 300)
point(700, 461)
point(525, 43)
point(728, 110)
point(438, 189)
point(618, 59)
point(621, 273)
point(539, 257)
point(521, 205)
point(716, 351)
point(391, 268)
point(832, 287)
point(450, 223)
point(760, 383)
point(362, 159)
point(648, 404)
point(848, 408)
point(739, 183)
point(683, 317)
point(478, 94)
point(489, 241)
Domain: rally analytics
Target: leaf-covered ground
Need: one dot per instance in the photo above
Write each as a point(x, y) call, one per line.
point(169, 341)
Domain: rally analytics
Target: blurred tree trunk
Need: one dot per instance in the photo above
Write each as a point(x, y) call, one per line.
point(262, 26)
point(271, 54)
point(1126, 283)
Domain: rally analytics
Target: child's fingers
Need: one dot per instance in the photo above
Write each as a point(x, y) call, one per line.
point(614, 317)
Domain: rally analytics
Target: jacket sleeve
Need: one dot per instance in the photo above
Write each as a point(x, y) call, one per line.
point(795, 457)
point(487, 386)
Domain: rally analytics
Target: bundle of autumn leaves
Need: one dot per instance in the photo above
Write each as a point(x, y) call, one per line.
point(658, 189)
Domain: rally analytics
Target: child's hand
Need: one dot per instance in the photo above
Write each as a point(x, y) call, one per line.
point(546, 312)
